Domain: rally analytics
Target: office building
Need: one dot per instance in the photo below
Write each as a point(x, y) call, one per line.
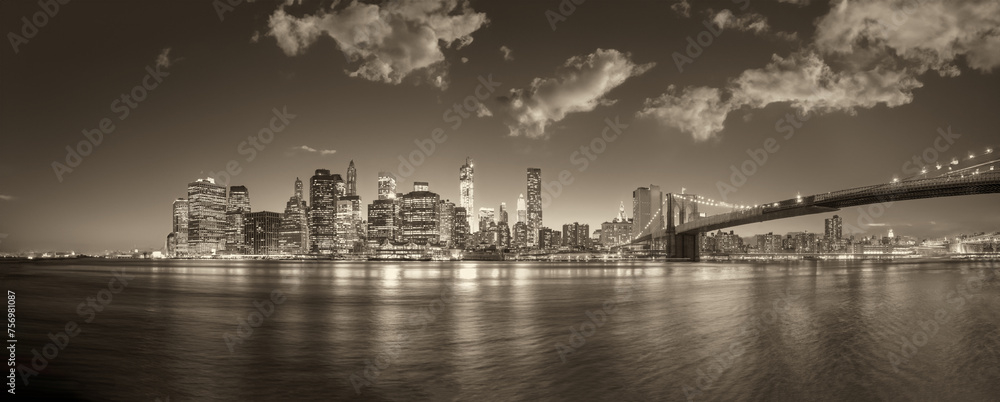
point(261, 232)
point(386, 186)
point(237, 206)
point(534, 205)
point(322, 212)
point(293, 235)
point(446, 216)
point(206, 217)
point(420, 217)
point(466, 191)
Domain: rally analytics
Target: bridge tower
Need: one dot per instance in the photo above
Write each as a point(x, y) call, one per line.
point(679, 209)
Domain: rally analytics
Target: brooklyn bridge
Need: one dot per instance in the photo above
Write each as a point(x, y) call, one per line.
point(682, 224)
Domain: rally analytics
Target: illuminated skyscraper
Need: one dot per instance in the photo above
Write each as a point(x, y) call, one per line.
point(421, 186)
point(534, 205)
point(339, 187)
point(446, 217)
point(293, 236)
point(461, 235)
point(322, 212)
point(178, 246)
point(647, 217)
point(502, 216)
point(486, 217)
point(420, 217)
point(348, 220)
point(237, 207)
point(834, 228)
point(261, 232)
point(522, 211)
point(382, 220)
point(386, 186)
point(466, 194)
point(352, 179)
point(206, 217)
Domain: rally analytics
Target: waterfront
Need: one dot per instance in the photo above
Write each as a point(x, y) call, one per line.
point(803, 330)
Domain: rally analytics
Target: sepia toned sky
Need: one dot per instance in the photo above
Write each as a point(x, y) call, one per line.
point(512, 84)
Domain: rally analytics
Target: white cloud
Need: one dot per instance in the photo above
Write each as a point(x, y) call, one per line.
point(925, 34)
point(388, 42)
point(803, 80)
point(682, 7)
point(506, 53)
point(580, 85)
point(699, 111)
point(744, 22)
point(309, 149)
point(6, 197)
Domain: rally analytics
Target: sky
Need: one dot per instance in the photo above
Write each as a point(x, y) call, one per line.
point(845, 94)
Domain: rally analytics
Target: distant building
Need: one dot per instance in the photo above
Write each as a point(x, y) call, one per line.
point(769, 243)
point(347, 222)
point(503, 235)
point(834, 228)
point(386, 186)
point(502, 215)
point(236, 208)
point(382, 220)
point(322, 212)
point(486, 217)
point(519, 237)
point(261, 230)
point(352, 179)
point(549, 239)
point(461, 235)
point(293, 235)
point(466, 188)
point(534, 205)
point(206, 217)
point(647, 216)
point(178, 244)
point(617, 232)
point(576, 236)
point(522, 209)
point(446, 218)
point(420, 217)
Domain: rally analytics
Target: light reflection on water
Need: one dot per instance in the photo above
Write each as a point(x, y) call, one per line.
point(823, 330)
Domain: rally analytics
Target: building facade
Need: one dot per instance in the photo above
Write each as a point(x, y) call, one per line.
point(206, 217)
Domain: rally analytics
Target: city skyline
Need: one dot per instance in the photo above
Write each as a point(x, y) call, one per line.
point(206, 103)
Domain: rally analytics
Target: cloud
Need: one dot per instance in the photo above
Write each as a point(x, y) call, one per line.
point(580, 85)
point(306, 148)
point(6, 197)
point(697, 111)
point(865, 53)
point(386, 42)
point(803, 80)
point(163, 60)
point(506, 53)
point(465, 60)
point(682, 8)
point(925, 34)
point(744, 22)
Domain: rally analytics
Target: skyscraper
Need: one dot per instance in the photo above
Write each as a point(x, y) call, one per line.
point(261, 231)
point(386, 186)
point(348, 220)
point(461, 233)
point(446, 217)
point(834, 228)
point(420, 217)
point(502, 216)
point(534, 205)
point(237, 207)
point(647, 216)
point(206, 216)
point(322, 212)
point(382, 220)
point(339, 186)
point(352, 179)
point(179, 228)
point(466, 194)
point(293, 236)
point(522, 211)
point(486, 217)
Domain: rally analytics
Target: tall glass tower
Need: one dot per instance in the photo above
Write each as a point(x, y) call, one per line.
point(206, 216)
point(534, 205)
point(322, 212)
point(352, 179)
point(466, 197)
